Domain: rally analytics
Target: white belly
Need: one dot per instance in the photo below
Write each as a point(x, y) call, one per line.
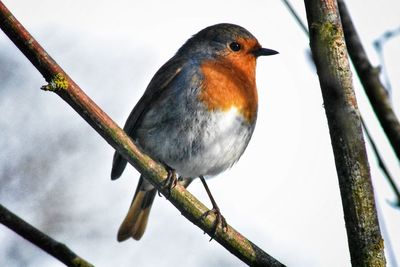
point(224, 141)
point(200, 143)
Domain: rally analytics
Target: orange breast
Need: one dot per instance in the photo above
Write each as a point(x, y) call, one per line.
point(230, 82)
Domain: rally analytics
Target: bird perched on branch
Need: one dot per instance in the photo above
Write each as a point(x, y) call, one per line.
point(196, 116)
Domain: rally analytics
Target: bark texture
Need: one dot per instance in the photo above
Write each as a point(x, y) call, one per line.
point(330, 56)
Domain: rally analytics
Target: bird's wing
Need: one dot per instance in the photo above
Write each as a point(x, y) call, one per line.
point(161, 80)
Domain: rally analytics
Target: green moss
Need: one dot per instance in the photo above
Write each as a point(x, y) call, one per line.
point(59, 82)
point(81, 262)
point(329, 32)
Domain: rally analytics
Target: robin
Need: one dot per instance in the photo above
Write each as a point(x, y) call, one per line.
point(196, 116)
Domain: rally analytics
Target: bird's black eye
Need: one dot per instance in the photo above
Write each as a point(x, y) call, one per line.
point(235, 46)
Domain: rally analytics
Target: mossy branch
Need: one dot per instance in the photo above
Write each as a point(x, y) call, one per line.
point(330, 57)
point(67, 89)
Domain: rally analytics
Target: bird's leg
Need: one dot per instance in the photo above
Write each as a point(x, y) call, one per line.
point(220, 220)
point(171, 180)
point(185, 181)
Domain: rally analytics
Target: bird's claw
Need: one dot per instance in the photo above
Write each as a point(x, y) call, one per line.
point(219, 221)
point(170, 182)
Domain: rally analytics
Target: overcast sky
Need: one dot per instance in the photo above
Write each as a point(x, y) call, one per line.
point(283, 194)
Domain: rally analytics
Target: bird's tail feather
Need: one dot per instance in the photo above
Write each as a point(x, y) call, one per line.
point(135, 221)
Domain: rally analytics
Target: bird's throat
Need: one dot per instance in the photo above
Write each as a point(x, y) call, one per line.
point(230, 83)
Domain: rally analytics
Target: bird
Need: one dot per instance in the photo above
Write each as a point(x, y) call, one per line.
point(196, 116)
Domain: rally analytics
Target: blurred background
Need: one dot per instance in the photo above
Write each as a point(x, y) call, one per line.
point(283, 194)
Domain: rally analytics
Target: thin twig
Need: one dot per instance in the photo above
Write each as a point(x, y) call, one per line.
point(67, 89)
point(53, 247)
point(295, 16)
point(382, 164)
point(369, 77)
point(378, 45)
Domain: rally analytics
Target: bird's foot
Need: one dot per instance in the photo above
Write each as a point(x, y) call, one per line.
point(170, 182)
point(219, 221)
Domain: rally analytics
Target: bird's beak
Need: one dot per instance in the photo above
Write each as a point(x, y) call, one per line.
point(264, 52)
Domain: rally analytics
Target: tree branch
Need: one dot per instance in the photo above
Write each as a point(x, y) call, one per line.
point(369, 77)
point(43, 241)
point(381, 163)
point(67, 89)
point(330, 56)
